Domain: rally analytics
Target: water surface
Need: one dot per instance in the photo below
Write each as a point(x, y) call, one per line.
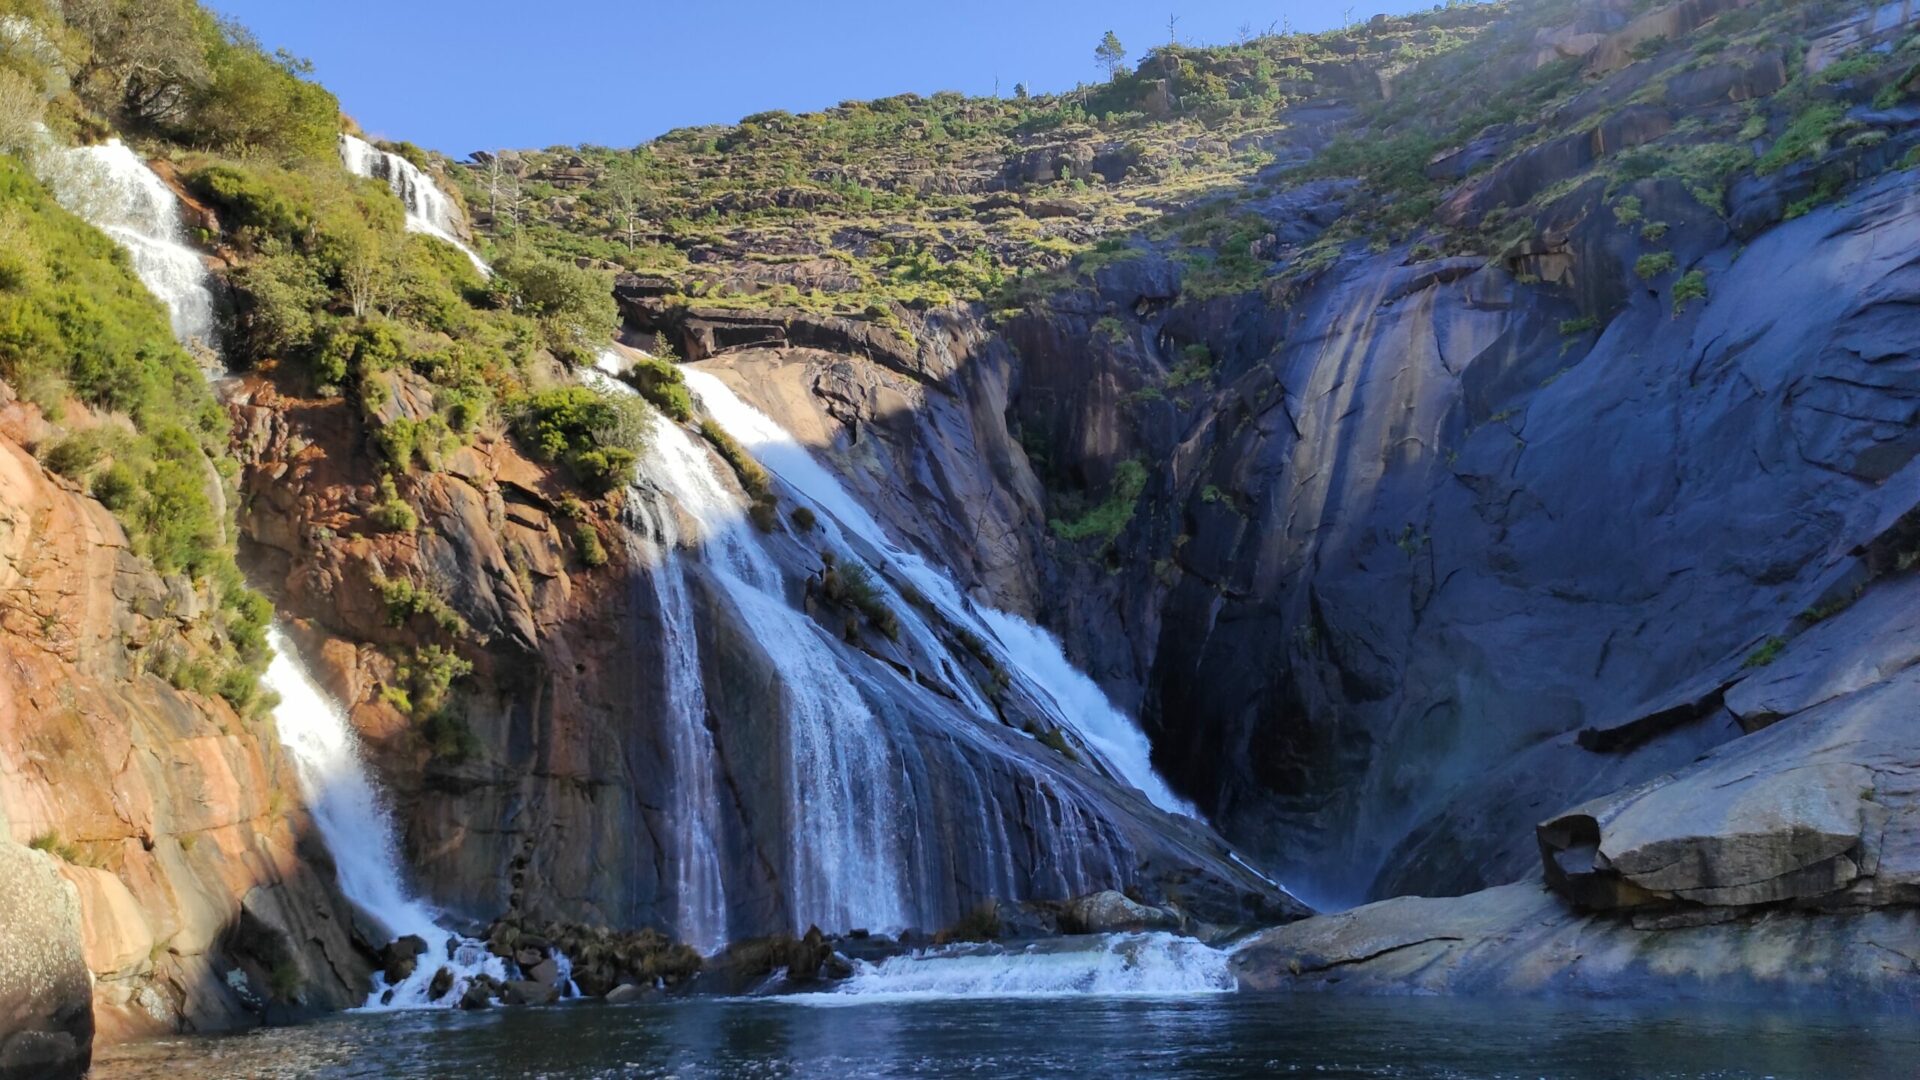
point(1107, 1038)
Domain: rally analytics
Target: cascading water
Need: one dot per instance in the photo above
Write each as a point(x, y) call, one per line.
point(348, 811)
point(429, 209)
point(111, 187)
point(1130, 965)
point(1030, 653)
point(844, 802)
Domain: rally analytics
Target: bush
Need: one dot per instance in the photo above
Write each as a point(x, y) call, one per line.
point(257, 103)
point(575, 306)
point(587, 539)
point(393, 514)
point(598, 435)
point(1808, 136)
point(1106, 521)
point(404, 600)
point(1691, 286)
point(851, 583)
point(764, 506)
point(803, 518)
point(662, 384)
point(1654, 265)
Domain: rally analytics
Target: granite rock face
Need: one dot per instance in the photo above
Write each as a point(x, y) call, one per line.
point(194, 893)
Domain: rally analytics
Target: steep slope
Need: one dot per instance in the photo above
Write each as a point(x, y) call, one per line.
point(200, 898)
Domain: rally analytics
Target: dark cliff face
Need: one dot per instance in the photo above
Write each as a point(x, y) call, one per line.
point(1430, 547)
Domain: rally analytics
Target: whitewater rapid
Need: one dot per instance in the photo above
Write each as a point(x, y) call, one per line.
point(1110, 965)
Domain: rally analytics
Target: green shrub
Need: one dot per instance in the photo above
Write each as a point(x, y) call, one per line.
point(662, 383)
point(1106, 521)
point(575, 306)
point(803, 518)
point(1766, 654)
point(1808, 136)
point(763, 508)
point(1653, 265)
point(849, 582)
point(596, 434)
point(1691, 286)
point(404, 600)
point(393, 514)
point(257, 103)
point(1576, 327)
point(587, 539)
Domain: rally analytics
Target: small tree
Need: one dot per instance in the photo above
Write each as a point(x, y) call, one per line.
point(627, 190)
point(1111, 54)
point(1020, 92)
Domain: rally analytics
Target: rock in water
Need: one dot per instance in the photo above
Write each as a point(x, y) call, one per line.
point(529, 992)
point(1110, 913)
point(441, 983)
point(46, 996)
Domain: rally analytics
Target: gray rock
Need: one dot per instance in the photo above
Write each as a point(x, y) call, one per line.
point(1111, 912)
point(46, 992)
point(528, 992)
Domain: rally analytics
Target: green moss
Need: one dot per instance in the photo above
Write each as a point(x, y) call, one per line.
point(1766, 654)
point(1654, 265)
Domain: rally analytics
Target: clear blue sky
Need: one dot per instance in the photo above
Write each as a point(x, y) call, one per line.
point(465, 75)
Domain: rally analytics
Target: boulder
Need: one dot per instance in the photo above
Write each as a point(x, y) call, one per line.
point(528, 992)
point(626, 993)
point(46, 994)
point(1111, 912)
point(441, 982)
point(1803, 810)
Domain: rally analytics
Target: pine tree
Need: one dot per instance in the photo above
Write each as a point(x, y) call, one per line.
point(1111, 54)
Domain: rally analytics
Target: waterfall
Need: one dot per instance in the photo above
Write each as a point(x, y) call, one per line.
point(1033, 656)
point(843, 799)
point(113, 189)
point(348, 811)
point(1137, 965)
point(429, 209)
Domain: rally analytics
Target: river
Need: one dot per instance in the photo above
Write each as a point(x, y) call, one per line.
point(1219, 1035)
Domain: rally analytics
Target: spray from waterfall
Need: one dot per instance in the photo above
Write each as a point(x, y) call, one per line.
point(1030, 653)
point(111, 187)
point(430, 211)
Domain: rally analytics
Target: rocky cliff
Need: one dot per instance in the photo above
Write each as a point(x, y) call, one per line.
point(1423, 541)
point(175, 882)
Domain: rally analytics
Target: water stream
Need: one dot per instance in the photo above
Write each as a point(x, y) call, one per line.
point(430, 211)
point(348, 809)
point(111, 187)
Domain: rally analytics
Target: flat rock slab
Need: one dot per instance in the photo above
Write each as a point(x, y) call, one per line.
point(1522, 939)
point(1802, 810)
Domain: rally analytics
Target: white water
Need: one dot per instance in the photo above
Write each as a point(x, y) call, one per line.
point(1130, 965)
point(845, 809)
point(352, 819)
point(429, 210)
point(1030, 653)
point(111, 187)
